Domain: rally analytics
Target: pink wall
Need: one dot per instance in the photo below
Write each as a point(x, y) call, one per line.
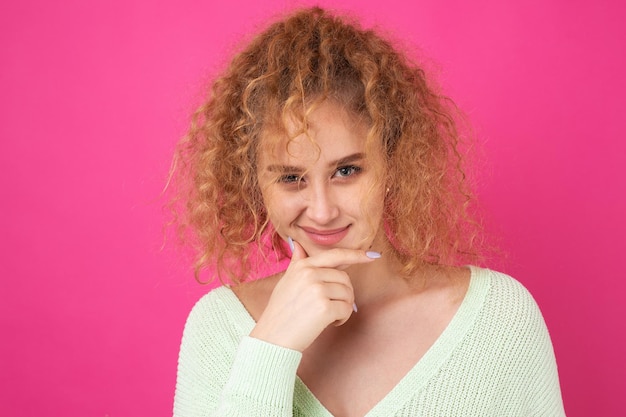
point(95, 94)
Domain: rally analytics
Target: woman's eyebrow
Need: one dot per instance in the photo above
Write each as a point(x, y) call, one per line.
point(283, 168)
point(341, 161)
point(348, 159)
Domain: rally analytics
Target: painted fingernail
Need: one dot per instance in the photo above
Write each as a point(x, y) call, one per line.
point(373, 255)
point(290, 241)
point(354, 307)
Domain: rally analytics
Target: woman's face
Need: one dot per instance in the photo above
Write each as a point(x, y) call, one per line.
point(321, 190)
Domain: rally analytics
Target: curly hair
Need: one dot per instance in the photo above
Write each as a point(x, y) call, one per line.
point(296, 63)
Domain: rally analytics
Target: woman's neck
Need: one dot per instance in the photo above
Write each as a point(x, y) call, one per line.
point(382, 279)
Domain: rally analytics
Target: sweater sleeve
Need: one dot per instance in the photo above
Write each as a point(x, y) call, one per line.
point(531, 361)
point(544, 387)
point(223, 372)
point(261, 381)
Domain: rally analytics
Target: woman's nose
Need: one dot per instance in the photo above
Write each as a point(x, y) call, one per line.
point(322, 204)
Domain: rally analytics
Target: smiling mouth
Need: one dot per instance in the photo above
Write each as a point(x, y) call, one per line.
point(326, 237)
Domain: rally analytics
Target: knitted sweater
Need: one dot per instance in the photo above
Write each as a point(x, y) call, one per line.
point(494, 358)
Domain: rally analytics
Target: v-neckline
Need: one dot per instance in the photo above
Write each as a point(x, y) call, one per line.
point(421, 372)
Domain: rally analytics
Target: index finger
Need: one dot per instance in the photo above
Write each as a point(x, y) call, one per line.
point(341, 258)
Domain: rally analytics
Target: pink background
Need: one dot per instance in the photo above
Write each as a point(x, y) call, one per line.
point(94, 95)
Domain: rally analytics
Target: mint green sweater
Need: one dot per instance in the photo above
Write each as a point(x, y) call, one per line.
point(495, 358)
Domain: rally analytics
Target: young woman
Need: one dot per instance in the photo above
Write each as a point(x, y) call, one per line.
point(322, 143)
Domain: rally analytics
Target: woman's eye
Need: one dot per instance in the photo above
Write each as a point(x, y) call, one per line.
point(289, 179)
point(347, 171)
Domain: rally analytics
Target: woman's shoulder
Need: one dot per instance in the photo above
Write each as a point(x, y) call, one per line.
point(228, 305)
point(506, 299)
point(212, 301)
point(214, 309)
point(502, 285)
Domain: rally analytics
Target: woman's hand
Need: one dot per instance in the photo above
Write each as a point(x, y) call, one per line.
point(313, 293)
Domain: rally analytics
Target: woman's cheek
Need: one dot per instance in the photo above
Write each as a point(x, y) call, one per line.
point(279, 208)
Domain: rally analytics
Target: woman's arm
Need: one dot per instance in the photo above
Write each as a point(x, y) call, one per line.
point(222, 373)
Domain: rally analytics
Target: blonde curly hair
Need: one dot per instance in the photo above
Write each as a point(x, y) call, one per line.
point(308, 57)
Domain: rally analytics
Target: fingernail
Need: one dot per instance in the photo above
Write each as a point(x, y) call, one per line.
point(354, 307)
point(373, 255)
point(290, 241)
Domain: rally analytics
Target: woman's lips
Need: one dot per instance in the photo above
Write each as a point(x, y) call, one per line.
point(325, 237)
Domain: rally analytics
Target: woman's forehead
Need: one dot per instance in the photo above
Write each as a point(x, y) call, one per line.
point(328, 132)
